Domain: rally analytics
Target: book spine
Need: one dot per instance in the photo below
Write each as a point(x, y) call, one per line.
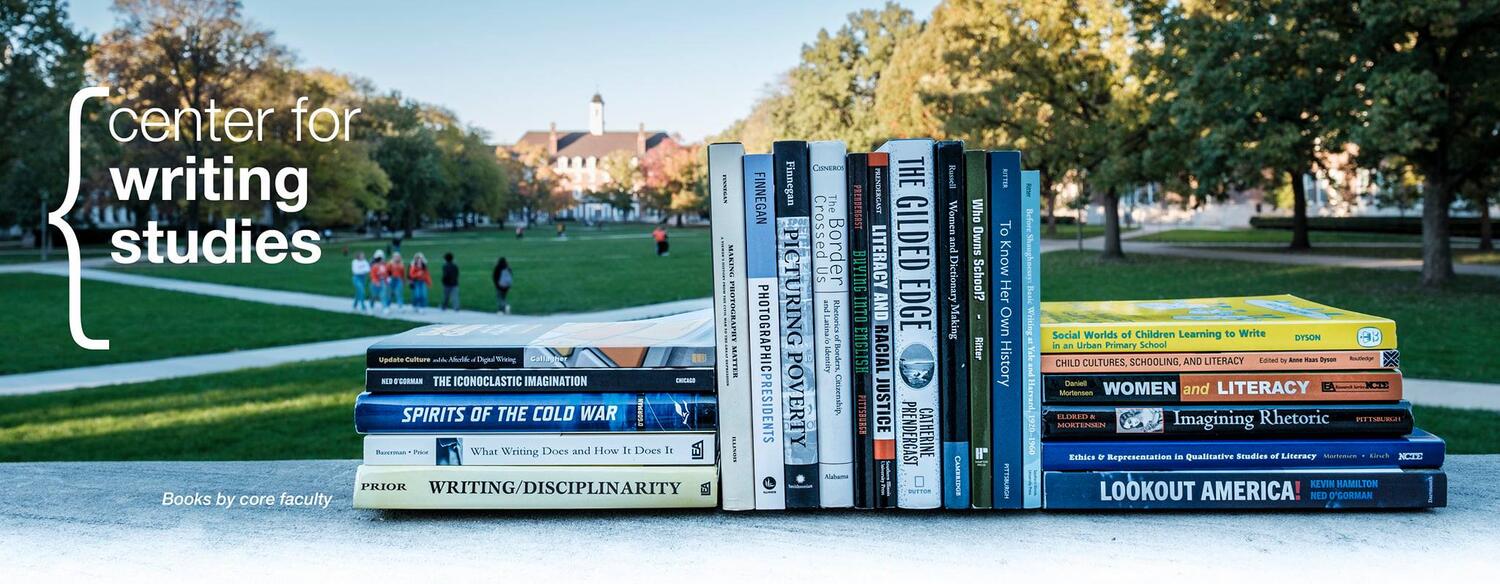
point(1061, 388)
point(859, 329)
point(1265, 489)
point(1214, 362)
point(765, 325)
point(1133, 423)
point(953, 311)
point(799, 396)
point(1209, 337)
point(415, 413)
point(534, 487)
point(1417, 451)
point(1005, 330)
point(1031, 335)
point(882, 337)
point(539, 357)
point(830, 283)
point(919, 473)
point(727, 182)
point(537, 380)
point(633, 448)
point(976, 174)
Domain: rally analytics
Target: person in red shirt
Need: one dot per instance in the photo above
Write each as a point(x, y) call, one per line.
point(395, 281)
point(660, 235)
point(421, 281)
point(377, 281)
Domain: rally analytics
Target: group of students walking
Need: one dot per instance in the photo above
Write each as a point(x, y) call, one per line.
point(388, 280)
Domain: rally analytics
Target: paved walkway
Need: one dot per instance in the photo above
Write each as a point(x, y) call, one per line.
point(105, 521)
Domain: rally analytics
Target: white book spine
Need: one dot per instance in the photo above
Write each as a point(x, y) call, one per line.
point(764, 333)
point(600, 448)
point(732, 346)
point(830, 261)
point(919, 481)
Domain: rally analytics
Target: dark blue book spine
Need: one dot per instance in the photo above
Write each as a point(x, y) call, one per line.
point(376, 413)
point(1263, 489)
point(799, 399)
point(953, 320)
point(1008, 430)
point(1420, 450)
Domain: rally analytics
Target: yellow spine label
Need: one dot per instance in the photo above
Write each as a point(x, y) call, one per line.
point(1206, 337)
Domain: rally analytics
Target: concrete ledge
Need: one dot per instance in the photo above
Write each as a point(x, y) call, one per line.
point(107, 520)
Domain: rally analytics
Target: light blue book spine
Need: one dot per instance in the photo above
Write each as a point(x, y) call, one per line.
point(1006, 332)
point(832, 353)
point(1031, 328)
point(764, 333)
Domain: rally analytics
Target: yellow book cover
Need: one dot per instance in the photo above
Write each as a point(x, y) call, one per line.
point(1250, 323)
point(534, 487)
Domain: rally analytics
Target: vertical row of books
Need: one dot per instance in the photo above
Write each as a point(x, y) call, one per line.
point(1252, 402)
point(540, 416)
point(878, 323)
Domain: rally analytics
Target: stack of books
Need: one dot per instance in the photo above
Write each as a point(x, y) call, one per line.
point(540, 416)
point(1254, 402)
point(878, 324)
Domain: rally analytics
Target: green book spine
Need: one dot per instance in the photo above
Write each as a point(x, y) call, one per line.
point(977, 195)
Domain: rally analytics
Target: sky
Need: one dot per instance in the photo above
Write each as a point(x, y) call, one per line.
point(507, 67)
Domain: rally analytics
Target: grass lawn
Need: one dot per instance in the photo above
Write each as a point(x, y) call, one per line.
point(1071, 231)
point(143, 323)
point(306, 411)
point(1460, 256)
point(1270, 236)
point(594, 269)
point(1446, 335)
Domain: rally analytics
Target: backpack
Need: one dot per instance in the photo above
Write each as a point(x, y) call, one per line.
point(504, 278)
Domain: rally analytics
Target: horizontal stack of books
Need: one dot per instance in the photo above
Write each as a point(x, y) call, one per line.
point(1256, 402)
point(878, 325)
point(540, 416)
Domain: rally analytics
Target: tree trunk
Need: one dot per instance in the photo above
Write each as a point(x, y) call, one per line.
point(1051, 197)
point(1112, 249)
point(1486, 232)
point(1437, 251)
point(1299, 212)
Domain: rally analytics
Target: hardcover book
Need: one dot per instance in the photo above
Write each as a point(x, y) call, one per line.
point(1183, 421)
point(1418, 450)
point(1251, 489)
point(831, 354)
point(1340, 386)
point(1212, 362)
point(1031, 333)
point(858, 171)
point(727, 203)
point(765, 332)
point(1006, 329)
point(534, 487)
point(953, 320)
point(882, 332)
point(685, 340)
point(600, 448)
point(417, 413)
point(976, 174)
point(799, 397)
point(1251, 323)
point(567, 380)
point(919, 474)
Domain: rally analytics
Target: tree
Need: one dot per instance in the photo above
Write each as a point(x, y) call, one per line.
point(41, 66)
point(1247, 82)
point(1051, 78)
point(1426, 87)
point(831, 93)
point(182, 54)
point(534, 182)
point(625, 181)
point(674, 180)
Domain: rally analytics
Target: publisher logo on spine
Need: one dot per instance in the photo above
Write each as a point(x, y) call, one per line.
point(1368, 337)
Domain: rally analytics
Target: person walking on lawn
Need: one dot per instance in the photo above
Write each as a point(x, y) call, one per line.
point(450, 282)
point(361, 270)
point(421, 281)
point(395, 282)
point(377, 280)
point(502, 279)
point(660, 235)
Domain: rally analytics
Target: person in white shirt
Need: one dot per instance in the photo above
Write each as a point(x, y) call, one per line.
point(361, 270)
